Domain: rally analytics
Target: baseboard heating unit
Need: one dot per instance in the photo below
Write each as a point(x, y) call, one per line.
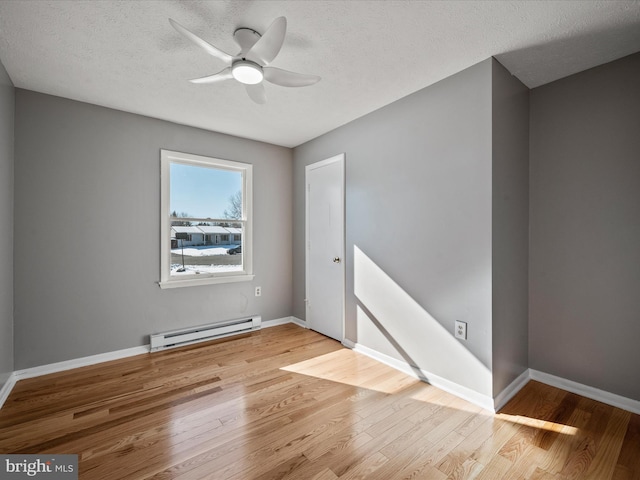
point(187, 336)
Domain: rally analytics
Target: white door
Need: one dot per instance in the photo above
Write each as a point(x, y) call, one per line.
point(325, 247)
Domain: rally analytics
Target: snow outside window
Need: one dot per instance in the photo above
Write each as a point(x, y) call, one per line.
point(205, 220)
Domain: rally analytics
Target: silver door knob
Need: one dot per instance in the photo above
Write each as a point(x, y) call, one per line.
point(336, 259)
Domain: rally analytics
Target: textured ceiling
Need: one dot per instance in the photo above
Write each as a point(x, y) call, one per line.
point(125, 55)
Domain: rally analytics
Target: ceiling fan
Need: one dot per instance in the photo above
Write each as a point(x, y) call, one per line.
point(250, 65)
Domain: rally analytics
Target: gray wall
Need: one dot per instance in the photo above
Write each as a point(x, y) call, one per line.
point(436, 215)
point(510, 220)
point(87, 222)
point(585, 228)
point(418, 218)
point(6, 220)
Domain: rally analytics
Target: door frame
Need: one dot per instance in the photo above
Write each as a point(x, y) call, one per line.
point(340, 158)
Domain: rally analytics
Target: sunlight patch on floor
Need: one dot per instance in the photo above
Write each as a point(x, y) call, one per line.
point(351, 368)
point(539, 424)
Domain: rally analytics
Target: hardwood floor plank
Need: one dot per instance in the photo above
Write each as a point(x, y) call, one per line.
point(466, 470)
point(326, 474)
point(288, 403)
point(390, 421)
point(416, 435)
point(628, 466)
point(454, 417)
point(515, 447)
point(110, 424)
point(525, 465)
point(364, 469)
point(609, 447)
point(503, 431)
point(561, 415)
point(496, 467)
point(339, 455)
point(421, 464)
point(587, 441)
point(290, 465)
point(540, 474)
point(459, 460)
point(311, 470)
point(567, 442)
point(203, 454)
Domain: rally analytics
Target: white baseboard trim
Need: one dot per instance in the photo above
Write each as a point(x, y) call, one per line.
point(465, 393)
point(66, 365)
point(510, 391)
point(461, 391)
point(283, 321)
point(79, 362)
point(128, 352)
point(300, 323)
point(275, 322)
point(100, 358)
point(593, 393)
point(7, 387)
point(349, 344)
point(495, 404)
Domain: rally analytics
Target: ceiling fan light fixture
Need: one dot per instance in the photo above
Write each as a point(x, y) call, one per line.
point(247, 72)
point(252, 65)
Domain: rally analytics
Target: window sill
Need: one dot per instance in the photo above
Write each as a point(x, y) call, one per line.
point(194, 282)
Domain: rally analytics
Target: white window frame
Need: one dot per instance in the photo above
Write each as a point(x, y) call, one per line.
point(168, 157)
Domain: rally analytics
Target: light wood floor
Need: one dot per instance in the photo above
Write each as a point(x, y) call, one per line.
point(286, 402)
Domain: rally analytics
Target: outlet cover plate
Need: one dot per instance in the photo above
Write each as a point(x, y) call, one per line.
point(461, 330)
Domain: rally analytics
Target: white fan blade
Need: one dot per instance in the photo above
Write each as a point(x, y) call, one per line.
point(210, 49)
point(284, 78)
point(257, 93)
point(224, 74)
point(266, 49)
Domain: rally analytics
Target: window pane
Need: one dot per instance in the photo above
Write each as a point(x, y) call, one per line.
point(205, 192)
point(204, 248)
point(206, 221)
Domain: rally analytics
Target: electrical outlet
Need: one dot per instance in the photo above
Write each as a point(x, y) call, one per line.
point(461, 330)
point(258, 291)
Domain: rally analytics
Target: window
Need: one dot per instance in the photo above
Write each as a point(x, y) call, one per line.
point(204, 199)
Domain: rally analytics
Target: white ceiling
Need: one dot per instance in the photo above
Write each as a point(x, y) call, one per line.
point(125, 55)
